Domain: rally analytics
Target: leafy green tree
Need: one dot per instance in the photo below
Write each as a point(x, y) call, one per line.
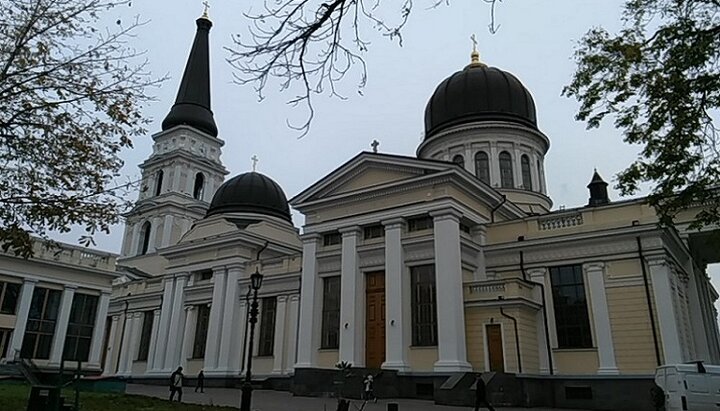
point(658, 81)
point(71, 95)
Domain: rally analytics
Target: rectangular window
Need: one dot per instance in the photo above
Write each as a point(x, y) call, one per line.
point(9, 293)
point(332, 239)
point(267, 327)
point(330, 337)
point(144, 350)
point(41, 323)
point(80, 327)
point(373, 231)
point(201, 329)
point(571, 314)
point(424, 306)
point(419, 223)
point(204, 275)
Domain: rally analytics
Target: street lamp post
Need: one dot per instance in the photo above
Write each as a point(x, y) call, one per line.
point(255, 283)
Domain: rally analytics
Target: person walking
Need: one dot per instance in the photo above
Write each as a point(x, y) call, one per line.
point(368, 392)
point(176, 384)
point(481, 394)
point(200, 382)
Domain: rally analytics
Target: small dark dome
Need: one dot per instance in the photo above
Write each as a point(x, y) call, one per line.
point(250, 193)
point(479, 93)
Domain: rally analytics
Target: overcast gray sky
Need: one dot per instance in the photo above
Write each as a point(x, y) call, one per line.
point(535, 42)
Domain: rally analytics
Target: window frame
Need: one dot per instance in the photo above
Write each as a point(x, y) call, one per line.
point(424, 312)
point(266, 336)
point(459, 159)
point(202, 323)
point(81, 326)
point(420, 223)
point(525, 172)
point(507, 177)
point(480, 169)
point(330, 326)
point(199, 186)
point(4, 286)
point(572, 320)
point(146, 335)
point(40, 320)
point(159, 182)
point(331, 239)
point(373, 231)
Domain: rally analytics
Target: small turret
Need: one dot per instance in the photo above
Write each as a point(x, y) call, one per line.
point(598, 191)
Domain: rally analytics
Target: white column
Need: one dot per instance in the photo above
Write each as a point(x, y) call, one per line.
point(697, 315)
point(108, 365)
point(165, 314)
point(217, 309)
point(352, 324)
point(534, 172)
point(176, 178)
point(189, 181)
point(236, 357)
point(595, 274)
point(134, 342)
point(479, 234)
point(494, 166)
point(134, 248)
point(21, 317)
point(177, 323)
point(98, 336)
point(469, 160)
point(167, 230)
point(291, 346)
point(229, 319)
point(452, 352)
point(539, 275)
point(189, 334)
point(152, 350)
point(663, 294)
point(126, 346)
point(397, 323)
point(309, 333)
point(517, 170)
point(154, 229)
point(61, 325)
point(279, 342)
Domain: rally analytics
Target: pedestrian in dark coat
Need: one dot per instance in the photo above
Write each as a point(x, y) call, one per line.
point(176, 379)
point(481, 395)
point(200, 382)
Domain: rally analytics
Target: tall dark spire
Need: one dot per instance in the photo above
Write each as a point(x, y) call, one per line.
point(192, 105)
point(598, 191)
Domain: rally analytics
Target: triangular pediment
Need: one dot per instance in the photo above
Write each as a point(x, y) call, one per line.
point(368, 170)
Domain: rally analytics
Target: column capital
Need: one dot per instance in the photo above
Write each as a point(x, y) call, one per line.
point(656, 261)
point(349, 231)
point(219, 270)
point(116, 318)
point(189, 307)
point(235, 266)
point(138, 314)
point(70, 287)
point(30, 280)
point(393, 223)
point(106, 293)
point(182, 275)
point(295, 297)
point(157, 312)
point(446, 214)
point(594, 266)
point(281, 299)
point(310, 237)
point(537, 272)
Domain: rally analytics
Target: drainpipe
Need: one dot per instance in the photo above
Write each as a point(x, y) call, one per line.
point(492, 212)
point(649, 302)
point(517, 336)
point(544, 308)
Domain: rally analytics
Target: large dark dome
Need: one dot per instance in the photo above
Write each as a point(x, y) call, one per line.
point(250, 193)
point(479, 93)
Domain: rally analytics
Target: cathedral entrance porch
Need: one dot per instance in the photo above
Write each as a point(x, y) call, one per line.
point(375, 319)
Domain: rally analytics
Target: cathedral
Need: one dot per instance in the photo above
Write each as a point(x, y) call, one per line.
point(421, 269)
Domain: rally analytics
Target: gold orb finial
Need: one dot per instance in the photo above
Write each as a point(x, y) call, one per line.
point(205, 11)
point(475, 55)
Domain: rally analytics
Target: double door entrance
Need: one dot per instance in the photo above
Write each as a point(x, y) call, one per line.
point(374, 319)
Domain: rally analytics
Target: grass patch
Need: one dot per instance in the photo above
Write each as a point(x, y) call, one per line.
point(13, 397)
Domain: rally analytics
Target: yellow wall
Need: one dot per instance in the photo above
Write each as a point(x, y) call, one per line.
point(327, 358)
point(422, 358)
point(576, 361)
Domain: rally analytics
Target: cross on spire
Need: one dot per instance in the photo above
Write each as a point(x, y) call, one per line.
point(207, 7)
point(474, 42)
point(375, 145)
point(255, 160)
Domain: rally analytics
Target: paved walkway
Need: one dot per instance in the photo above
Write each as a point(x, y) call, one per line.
point(264, 400)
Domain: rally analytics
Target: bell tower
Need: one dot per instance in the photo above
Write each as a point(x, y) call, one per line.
point(184, 170)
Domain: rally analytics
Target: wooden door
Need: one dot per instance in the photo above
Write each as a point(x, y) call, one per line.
point(375, 319)
point(495, 347)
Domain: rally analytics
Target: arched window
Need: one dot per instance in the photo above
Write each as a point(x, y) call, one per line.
point(482, 166)
point(459, 160)
point(540, 175)
point(199, 185)
point(158, 182)
point(506, 170)
point(525, 168)
point(144, 238)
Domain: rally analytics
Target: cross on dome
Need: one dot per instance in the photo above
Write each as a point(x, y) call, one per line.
point(375, 145)
point(255, 160)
